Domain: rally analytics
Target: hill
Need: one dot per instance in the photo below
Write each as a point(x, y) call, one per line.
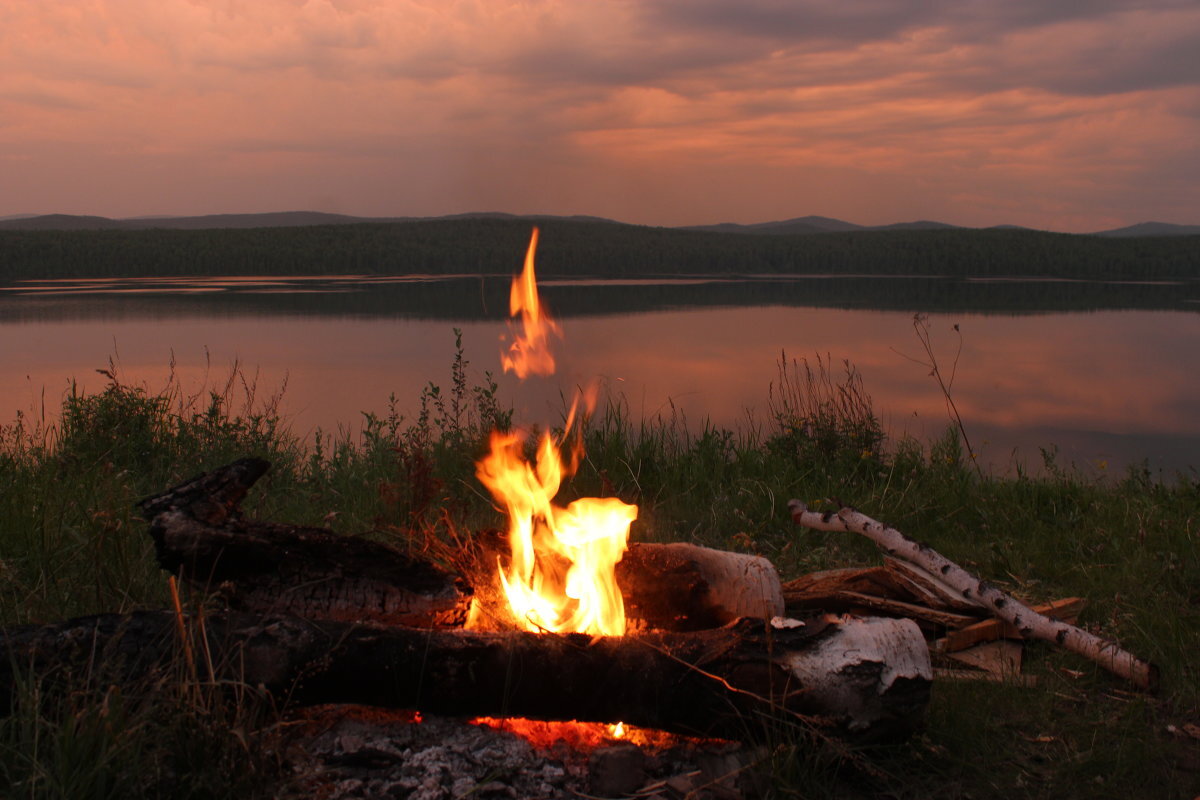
point(278, 219)
point(813, 224)
point(1153, 229)
point(286, 219)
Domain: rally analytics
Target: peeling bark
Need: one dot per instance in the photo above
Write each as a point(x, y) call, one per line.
point(1029, 623)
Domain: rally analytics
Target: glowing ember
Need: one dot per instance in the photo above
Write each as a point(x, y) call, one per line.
point(562, 573)
point(529, 354)
point(588, 735)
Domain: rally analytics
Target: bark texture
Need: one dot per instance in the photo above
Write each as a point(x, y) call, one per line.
point(686, 587)
point(1029, 623)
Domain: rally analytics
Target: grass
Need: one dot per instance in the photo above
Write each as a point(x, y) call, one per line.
point(70, 544)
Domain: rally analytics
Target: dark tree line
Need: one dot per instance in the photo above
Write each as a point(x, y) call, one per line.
point(569, 248)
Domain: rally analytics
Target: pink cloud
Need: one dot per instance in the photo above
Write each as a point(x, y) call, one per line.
point(1072, 119)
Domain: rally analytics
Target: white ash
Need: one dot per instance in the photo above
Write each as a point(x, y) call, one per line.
point(360, 756)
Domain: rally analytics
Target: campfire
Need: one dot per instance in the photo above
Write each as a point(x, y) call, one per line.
point(558, 629)
point(561, 575)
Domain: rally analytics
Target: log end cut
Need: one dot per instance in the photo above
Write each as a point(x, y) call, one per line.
point(872, 676)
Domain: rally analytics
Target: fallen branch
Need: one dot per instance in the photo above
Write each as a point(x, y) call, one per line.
point(1025, 620)
point(989, 630)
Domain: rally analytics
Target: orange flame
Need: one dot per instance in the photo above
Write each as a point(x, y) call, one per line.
point(529, 354)
point(562, 573)
point(561, 577)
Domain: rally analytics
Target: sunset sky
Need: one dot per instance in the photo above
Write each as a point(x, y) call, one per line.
point(1072, 116)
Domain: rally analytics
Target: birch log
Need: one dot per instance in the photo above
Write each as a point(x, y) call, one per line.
point(865, 678)
point(1029, 623)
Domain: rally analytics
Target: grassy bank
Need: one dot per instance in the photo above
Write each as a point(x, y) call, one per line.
point(70, 544)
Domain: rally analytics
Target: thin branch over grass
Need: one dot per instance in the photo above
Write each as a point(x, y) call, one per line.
point(921, 327)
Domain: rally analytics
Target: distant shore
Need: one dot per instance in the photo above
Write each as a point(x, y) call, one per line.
point(600, 249)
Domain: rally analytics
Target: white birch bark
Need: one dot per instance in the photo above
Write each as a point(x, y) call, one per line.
point(1028, 622)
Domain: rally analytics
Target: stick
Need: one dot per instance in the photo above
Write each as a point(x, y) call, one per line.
point(181, 628)
point(1028, 622)
point(989, 630)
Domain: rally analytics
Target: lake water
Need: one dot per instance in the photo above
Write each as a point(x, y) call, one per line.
point(1110, 386)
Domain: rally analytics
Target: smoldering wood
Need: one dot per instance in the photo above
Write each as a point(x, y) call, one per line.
point(676, 587)
point(686, 587)
point(1027, 622)
point(200, 534)
point(866, 678)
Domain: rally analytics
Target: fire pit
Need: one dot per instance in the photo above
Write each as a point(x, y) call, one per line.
point(599, 655)
point(359, 752)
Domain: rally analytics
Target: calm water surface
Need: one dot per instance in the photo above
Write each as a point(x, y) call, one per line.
point(1107, 388)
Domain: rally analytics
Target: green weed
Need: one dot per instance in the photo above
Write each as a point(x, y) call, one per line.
point(70, 544)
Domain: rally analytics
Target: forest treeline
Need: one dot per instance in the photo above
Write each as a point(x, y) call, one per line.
point(569, 248)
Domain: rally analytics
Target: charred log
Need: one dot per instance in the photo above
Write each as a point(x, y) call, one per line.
point(199, 533)
point(867, 677)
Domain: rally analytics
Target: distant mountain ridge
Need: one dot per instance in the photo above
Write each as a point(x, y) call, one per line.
point(1153, 229)
point(276, 219)
point(813, 224)
point(282, 219)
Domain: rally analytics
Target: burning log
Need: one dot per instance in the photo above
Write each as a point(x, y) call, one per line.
point(674, 587)
point(685, 587)
point(199, 532)
point(318, 618)
point(867, 677)
point(1027, 622)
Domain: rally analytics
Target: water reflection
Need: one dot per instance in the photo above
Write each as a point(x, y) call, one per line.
point(1111, 386)
point(484, 297)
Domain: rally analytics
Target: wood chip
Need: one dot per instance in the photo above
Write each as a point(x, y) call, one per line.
point(1001, 658)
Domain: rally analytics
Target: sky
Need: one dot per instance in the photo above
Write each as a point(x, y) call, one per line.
point(1072, 115)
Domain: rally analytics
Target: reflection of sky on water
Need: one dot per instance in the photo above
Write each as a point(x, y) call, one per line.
point(1116, 386)
point(298, 283)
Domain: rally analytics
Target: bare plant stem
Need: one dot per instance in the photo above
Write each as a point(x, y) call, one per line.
point(921, 326)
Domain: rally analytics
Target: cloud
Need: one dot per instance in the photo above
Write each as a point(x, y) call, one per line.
point(667, 109)
point(794, 21)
